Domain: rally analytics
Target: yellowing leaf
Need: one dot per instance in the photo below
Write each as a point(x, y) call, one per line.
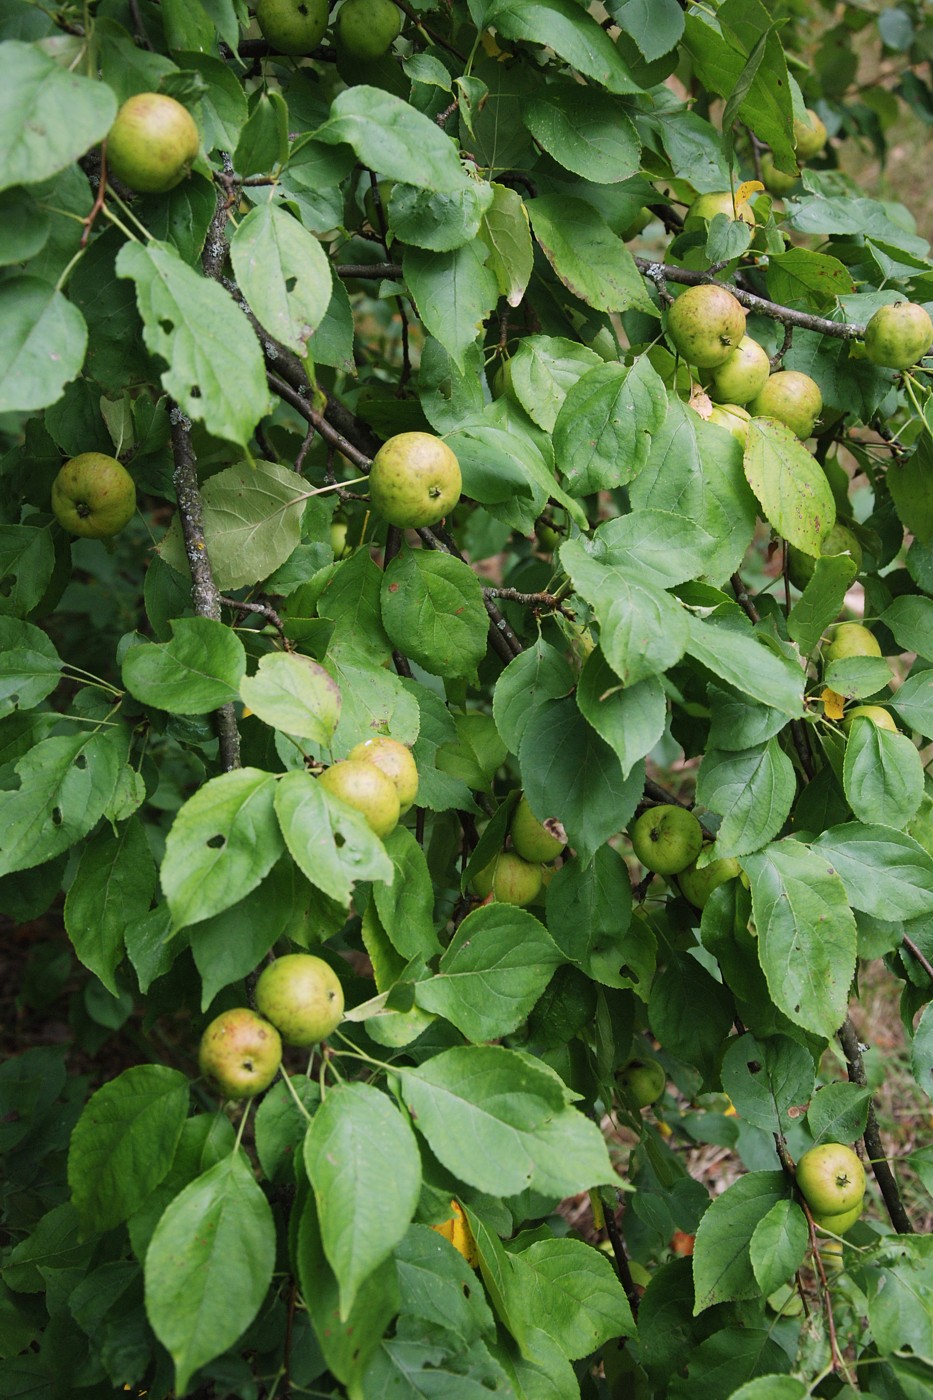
point(833, 704)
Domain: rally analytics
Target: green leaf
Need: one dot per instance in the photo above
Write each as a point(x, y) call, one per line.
point(538, 674)
point(283, 272)
point(350, 599)
point(883, 870)
point(263, 146)
point(570, 31)
point(658, 546)
point(740, 659)
point(437, 1286)
point(330, 842)
point(124, 1143)
point(375, 701)
point(806, 933)
point(454, 293)
point(441, 221)
point(406, 903)
point(752, 791)
point(215, 365)
point(209, 1265)
point(790, 484)
point(838, 1112)
point(811, 281)
point(769, 1080)
point(543, 369)
point(498, 1122)
point(222, 842)
point(655, 26)
point(722, 1266)
point(506, 233)
point(196, 672)
point(363, 1162)
point(858, 676)
point(393, 139)
point(591, 261)
point(821, 600)
point(65, 785)
point(910, 618)
point(281, 1126)
point(433, 611)
point(252, 522)
point(492, 972)
point(584, 131)
point(570, 1291)
point(113, 885)
point(589, 916)
point(778, 1245)
point(691, 1013)
point(27, 559)
point(921, 1052)
point(42, 344)
point(631, 719)
point(52, 115)
point(295, 694)
point(30, 667)
point(882, 775)
point(897, 1277)
point(913, 702)
point(573, 774)
point(604, 428)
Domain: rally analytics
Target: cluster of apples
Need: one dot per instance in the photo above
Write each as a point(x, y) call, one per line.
point(668, 840)
point(379, 778)
point(855, 639)
point(517, 875)
point(299, 1000)
point(831, 1180)
point(363, 29)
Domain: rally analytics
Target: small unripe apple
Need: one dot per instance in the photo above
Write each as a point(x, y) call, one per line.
point(839, 540)
point(293, 27)
point(697, 884)
point(367, 28)
point(831, 1179)
point(739, 378)
point(338, 537)
point(240, 1053)
point(850, 639)
point(364, 786)
point(898, 336)
point(642, 1082)
point(809, 135)
point(840, 1223)
point(733, 417)
point(880, 717)
point(706, 206)
point(414, 480)
point(509, 879)
point(93, 496)
point(534, 840)
point(667, 839)
point(705, 324)
point(152, 143)
point(777, 181)
point(396, 761)
point(302, 997)
point(792, 398)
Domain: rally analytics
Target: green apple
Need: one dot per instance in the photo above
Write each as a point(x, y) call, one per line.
point(667, 839)
point(636, 225)
point(733, 417)
point(364, 786)
point(338, 536)
point(898, 336)
point(534, 840)
point(152, 143)
point(395, 760)
point(740, 377)
point(840, 540)
point(642, 1082)
point(367, 28)
point(777, 181)
point(850, 639)
point(240, 1053)
point(293, 27)
point(509, 879)
point(93, 496)
point(831, 1179)
point(706, 206)
point(414, 480)
point(809, 135)
point(792, 398)
point(840, 1223)
point(880, 717)
point(698, 884)
point(705, 324)
point(302, 997)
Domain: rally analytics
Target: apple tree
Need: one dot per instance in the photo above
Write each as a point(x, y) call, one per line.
point(584, 756)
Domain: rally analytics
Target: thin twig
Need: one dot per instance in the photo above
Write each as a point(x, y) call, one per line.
point(743, 598)
point(777, 359)
point(874, 1148)
point(265, 610)
point(622, 1267)
point(915, 952)
point(330, 434)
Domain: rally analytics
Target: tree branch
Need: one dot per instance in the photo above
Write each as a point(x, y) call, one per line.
point(874, 1148)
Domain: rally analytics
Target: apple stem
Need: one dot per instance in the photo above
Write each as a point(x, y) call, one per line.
point(291, 1089)
point(241, 1127)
